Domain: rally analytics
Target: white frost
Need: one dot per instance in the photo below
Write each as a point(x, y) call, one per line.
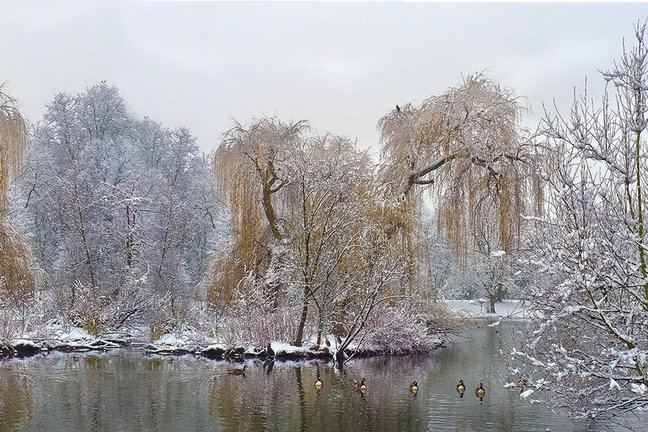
point(639, 389)
point(526, 393)
point(280, 347)
point(25, 343)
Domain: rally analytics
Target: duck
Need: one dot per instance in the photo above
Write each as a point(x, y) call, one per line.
point(413, 387)
point(461, 388)
point(522, 382)
point(318, 383)
point(480, 392)
point(361, 386)
point(237, 371)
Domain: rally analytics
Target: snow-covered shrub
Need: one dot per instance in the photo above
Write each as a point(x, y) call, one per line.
point(9, 326)
point(398, 330)
point(80, 305)
point(259, 327)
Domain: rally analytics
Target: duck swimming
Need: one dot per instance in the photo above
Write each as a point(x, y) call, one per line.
point(480, 392)
point(461, 388)
point(361, 386)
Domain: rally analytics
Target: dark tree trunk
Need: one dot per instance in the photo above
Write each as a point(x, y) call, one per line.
point(492, 299)
point(302, 321)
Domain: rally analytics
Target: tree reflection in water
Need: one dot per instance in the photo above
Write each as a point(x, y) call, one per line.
point(127, 391)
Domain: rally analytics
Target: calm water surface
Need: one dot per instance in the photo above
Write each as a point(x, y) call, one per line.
point(128, 391)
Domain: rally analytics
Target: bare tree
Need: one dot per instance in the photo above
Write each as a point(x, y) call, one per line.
point(590, 347)
point(325, 176)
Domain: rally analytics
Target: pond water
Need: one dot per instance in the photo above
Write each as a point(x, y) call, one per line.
point(126, 390)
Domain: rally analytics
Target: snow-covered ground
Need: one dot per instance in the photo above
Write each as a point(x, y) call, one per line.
point(509, 309)
point(60, 338)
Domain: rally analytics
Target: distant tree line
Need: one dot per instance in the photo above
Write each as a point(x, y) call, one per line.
point(124, 216)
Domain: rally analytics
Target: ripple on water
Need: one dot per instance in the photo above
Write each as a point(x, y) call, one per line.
point(127, 391)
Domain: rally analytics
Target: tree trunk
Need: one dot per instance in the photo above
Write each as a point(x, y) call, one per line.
point(302, 321)
point(320, 327)
point(269, 211)
point(130, 222)
point(81, 227)
point(490, 306)
point(500, 292)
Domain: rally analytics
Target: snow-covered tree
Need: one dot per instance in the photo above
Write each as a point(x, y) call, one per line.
point(249, 165)
point(118, 209)
point(588, 345)
point(494, 274)
point(326, 202)
point(465, 145)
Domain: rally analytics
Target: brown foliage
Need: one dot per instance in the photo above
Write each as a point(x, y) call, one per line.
point(13, 134)
point(16, 281)
point(464, 145)
point(246, 166)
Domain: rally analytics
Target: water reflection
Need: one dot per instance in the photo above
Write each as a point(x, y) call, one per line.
point(127, 391)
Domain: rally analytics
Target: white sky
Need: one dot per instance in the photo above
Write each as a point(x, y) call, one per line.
point(340, 65)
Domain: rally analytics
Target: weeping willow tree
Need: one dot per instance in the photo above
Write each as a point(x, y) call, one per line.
point(248, 169)
point(465, 146)
point(16, 282)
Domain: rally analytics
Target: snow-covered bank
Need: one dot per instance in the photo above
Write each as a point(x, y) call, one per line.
point(190, 342)
point(172, 345)
point(74, 339)
point(506, 309)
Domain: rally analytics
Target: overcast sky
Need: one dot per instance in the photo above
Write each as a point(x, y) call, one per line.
point(339, 65)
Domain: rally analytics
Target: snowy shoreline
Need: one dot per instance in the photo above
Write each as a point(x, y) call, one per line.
point(169, 345)
point(78, 340)
point(476, 309)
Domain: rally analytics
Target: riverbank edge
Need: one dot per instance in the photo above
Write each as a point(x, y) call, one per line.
point(27, 348)
point(168, 345)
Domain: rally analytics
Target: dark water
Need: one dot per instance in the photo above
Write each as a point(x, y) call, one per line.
point(128, 391)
